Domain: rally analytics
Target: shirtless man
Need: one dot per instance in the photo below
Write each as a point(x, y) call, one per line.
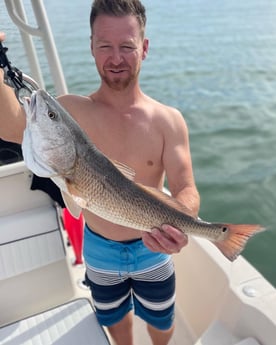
point(124, 266)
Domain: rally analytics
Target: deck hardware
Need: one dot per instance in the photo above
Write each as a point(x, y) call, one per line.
point(249, 291)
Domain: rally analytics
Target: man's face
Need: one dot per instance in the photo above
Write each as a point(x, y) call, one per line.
point(118, 48)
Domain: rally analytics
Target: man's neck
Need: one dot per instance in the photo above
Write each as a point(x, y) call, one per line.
point(119, 99)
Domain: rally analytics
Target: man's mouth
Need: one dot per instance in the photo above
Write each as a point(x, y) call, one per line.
point(115, 71)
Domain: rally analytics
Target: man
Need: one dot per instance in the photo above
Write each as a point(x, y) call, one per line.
point(125, 266)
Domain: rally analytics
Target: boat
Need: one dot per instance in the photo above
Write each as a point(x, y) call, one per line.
point(43, 298)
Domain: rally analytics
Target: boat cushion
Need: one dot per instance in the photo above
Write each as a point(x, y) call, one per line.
point(29, 240)
point(69, 324)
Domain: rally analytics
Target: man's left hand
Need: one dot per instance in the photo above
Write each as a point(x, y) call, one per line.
point(167, 240)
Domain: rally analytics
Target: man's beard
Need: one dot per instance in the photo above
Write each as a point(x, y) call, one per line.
point(118, 83)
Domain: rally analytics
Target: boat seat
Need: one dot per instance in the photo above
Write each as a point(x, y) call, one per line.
point(69, 324)
point(35, 272)
point(218, 334)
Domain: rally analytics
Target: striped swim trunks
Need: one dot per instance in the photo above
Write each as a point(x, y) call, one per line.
point(127, 275)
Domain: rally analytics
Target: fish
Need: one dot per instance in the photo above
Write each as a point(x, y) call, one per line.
point(55, 146)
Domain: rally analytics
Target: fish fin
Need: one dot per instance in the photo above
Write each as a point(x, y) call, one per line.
point(167, 199)
point(124, 169)
point(238, 235)
point(75, 195)
point(71, 205)
point(60, 182)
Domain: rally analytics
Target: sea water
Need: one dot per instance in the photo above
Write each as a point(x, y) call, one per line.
point(216, 62)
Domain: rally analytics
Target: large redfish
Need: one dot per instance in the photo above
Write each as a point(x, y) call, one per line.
point(55, 146)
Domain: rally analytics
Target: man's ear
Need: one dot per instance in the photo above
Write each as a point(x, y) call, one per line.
point(91, 45)
point(145, 48)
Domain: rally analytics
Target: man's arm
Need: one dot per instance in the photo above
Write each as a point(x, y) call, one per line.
point(178, 166)
point(12, 115)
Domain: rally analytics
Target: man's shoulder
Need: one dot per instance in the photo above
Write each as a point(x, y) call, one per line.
point(164, 113)
point(71, 99)
point(76, 105)
point(161, 108)
point(168, 119)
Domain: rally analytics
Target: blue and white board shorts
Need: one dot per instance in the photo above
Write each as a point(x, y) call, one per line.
point(127, 275)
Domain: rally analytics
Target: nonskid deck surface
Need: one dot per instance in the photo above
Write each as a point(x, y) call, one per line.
point(181, 334)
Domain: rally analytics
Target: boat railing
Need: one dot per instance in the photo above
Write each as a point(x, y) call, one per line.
point(43, 30)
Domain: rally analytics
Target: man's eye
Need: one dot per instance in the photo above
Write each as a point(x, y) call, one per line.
point(127, 48)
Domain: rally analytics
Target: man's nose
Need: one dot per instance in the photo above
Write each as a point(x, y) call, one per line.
point(116, 56)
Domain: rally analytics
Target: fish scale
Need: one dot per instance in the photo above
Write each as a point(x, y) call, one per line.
point(90, 180)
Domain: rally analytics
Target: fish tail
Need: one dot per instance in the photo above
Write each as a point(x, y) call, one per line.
point(238, 235)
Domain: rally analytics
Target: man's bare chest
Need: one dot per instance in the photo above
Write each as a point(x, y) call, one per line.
point(136, 144)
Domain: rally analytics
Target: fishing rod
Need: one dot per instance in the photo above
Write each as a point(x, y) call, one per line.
point(22, 84)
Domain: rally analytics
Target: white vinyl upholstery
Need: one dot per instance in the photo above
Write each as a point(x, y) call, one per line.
point(34, 268)
point(73, 323)
point(27, 254)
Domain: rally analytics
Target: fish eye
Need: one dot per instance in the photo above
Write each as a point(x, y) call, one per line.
point(52, 115)
point(224, 229)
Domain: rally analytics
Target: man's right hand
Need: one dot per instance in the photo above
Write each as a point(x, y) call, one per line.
point(2, 36)
point(11, 113)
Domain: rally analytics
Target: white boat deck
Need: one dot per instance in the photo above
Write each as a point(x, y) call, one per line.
point(181, 334)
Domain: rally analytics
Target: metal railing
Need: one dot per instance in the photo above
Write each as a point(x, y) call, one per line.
point(43, 30)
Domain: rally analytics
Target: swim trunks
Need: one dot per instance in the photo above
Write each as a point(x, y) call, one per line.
point(127, 275)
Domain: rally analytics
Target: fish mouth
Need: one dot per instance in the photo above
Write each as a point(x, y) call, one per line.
point(33, 101)
point(32, 159)
point(26, 102)
point(41, 169)
point(29, 104)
